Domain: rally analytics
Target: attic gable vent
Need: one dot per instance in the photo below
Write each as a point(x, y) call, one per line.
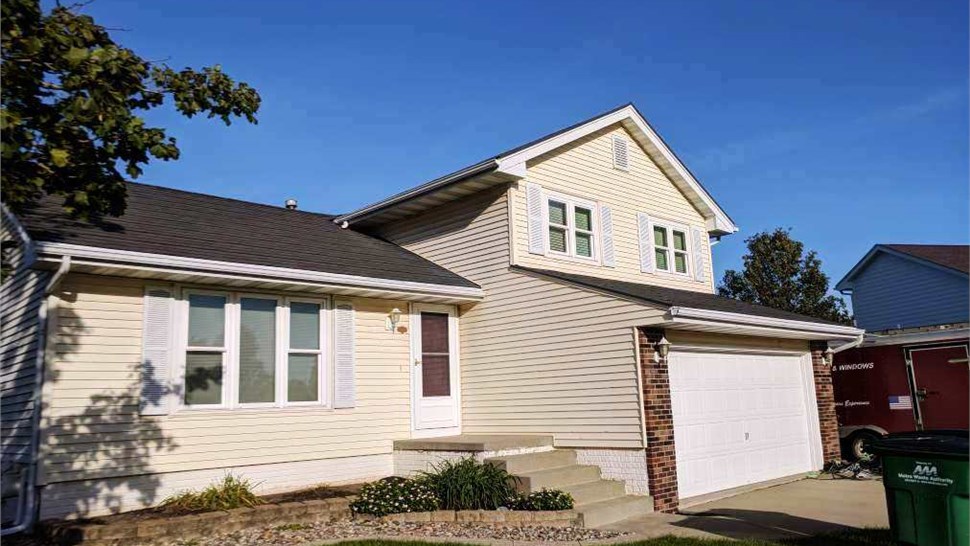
point(621, 159)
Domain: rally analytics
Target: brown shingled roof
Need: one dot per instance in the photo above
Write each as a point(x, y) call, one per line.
point(952, 256)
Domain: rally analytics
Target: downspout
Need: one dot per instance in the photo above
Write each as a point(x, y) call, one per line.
point(27, 511)
point(850, 345)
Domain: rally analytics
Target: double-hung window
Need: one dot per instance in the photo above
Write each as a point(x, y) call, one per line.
point(570, 227)
point(670, 247)
point(245, 350)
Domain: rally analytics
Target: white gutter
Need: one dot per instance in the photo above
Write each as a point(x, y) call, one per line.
point(709, 315)
point(27, 511)
point(270, 272)
point(850, 345)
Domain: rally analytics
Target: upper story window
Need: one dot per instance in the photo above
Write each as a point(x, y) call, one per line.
point(252, 351)
point(670, 247)
point(570, 227)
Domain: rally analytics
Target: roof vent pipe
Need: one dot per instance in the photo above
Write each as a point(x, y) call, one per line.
point(291, 204)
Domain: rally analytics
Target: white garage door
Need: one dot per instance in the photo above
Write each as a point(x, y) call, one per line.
point(738, 419)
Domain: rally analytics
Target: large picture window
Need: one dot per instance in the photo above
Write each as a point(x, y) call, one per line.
point(252, 350)
point(570, 227)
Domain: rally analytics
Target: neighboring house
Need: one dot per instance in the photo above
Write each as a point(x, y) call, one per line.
point(536, 293)
point(910, 372)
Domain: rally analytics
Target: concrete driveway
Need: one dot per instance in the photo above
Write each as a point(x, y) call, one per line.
point(802, 508)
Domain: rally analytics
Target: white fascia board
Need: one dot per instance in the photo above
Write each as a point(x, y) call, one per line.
point(711, 316)
point(266, 272)
point(515, 164)
point(956, 334)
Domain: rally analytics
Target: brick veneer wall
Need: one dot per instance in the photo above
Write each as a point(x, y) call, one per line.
point(661, 457)
point(825, 397)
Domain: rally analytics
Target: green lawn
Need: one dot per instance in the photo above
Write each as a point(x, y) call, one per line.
point(862, 537)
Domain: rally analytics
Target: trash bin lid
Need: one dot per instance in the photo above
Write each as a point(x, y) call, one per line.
point(947, 444)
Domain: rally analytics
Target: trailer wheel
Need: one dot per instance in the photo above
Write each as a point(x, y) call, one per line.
point(858, 443)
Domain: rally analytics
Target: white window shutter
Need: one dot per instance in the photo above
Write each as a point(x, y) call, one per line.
point(621, 156)
point(537, 234)
point(345, 389)
point(606, 221)
point(157, 332)
point(699, 255)
point(646, 243)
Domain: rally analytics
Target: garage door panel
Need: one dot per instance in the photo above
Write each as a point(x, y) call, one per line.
point(738, 419)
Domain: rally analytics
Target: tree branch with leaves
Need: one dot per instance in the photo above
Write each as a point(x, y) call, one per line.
point(779, 273)
point(71, 105)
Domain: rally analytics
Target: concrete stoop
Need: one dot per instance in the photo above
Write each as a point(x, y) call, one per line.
point(598, 501)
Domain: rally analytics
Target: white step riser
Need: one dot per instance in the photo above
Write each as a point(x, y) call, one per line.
point(557, 478)
point(533, 462)
point(604, 513)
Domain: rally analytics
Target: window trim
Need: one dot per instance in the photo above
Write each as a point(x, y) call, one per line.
point(570, 228)
point(231, 350)
point(671, 261)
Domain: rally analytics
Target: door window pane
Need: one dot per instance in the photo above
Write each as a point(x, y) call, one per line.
point(207, 320)
point(662, 260)
point(203, 378)
point(557, 239)
point(302, 378)
point(257, 350)
point(557, 213)
point(680, 240)
point(304, 325)
point(680, 262)
point(660, 236)
point(435, 356)
point(584, 245)
point(584, 219)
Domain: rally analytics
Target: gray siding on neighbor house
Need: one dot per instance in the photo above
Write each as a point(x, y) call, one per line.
point(895, 292)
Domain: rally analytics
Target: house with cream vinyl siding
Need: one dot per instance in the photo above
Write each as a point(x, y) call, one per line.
point(559, 295)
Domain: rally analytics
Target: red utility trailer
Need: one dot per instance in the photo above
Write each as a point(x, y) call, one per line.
point(901, 382)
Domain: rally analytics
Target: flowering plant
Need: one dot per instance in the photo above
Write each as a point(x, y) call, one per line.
point(394, 495)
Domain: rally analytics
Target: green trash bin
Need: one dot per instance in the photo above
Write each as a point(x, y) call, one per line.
point(926, 480)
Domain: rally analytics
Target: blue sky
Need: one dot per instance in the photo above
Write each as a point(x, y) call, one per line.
point(843, 120)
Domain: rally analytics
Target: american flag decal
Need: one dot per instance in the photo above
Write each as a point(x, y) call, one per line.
point(900, 403)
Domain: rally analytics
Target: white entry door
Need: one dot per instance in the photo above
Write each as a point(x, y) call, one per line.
point(741, 418)
point(434, 367)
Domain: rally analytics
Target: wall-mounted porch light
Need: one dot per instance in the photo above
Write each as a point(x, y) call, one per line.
point(392, 319)
point(829, 356)
point(661, 349)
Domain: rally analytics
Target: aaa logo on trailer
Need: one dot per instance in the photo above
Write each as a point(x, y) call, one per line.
point(926, 474)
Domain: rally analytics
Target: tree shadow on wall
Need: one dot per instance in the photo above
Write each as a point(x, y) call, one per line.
point(96, 449)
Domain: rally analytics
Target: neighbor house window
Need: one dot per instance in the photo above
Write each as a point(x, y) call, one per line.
point(670, 246)
point(250, 350)
point(570, 227)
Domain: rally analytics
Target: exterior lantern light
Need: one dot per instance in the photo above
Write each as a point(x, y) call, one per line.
point(829, 356)
point(393, 318)
point(662, 349)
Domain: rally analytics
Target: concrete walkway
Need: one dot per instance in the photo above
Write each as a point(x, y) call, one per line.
point(803, 508)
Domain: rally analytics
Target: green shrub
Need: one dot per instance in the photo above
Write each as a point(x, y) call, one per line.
point(395, 495)
point(231, 492)
point(545, 499)
point(466, 484)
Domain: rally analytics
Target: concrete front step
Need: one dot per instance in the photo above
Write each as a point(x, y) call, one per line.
point(557, 478)
point(597, 514)
point(600, 490)
point(532, 462)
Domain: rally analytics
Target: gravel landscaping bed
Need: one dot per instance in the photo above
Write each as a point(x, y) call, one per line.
point(287, 535)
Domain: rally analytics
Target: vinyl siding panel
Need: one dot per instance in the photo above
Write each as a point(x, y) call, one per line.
point(537, 357)
point(584, 169)
point(894, 292)
point(93, 430)
point(21, 331)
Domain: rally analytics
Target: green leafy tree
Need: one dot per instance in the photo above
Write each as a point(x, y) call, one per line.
point(780, 274)
point(72, 100)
